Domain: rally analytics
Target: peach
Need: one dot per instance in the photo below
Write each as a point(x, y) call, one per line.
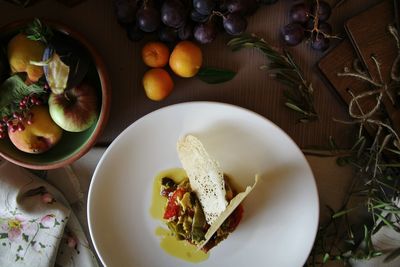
point(39, 136)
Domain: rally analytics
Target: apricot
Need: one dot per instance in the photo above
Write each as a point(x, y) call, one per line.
point(157, 84)
point(186, 59)
point(21, 51)
point(155, 54)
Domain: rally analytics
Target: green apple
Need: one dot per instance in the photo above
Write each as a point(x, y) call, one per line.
point(74, 110)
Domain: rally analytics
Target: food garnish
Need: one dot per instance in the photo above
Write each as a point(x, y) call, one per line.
point(202, 209)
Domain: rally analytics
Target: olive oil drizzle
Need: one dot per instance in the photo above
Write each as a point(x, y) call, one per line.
point(178, 248)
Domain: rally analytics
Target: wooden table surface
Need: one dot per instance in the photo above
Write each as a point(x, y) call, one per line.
point(251, 88)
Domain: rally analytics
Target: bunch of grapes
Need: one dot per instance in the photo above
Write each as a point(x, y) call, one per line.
point(175, 20)
point(309, 22)
point(16, 120)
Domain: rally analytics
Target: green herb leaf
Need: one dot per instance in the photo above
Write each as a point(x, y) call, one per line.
point(214, 75)
point(326, 258)
point(37, 31)
point(12, 91)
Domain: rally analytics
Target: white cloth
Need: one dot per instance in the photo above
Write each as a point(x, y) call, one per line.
point(34, 229)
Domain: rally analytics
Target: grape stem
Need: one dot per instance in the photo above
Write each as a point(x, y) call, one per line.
point(217, 13)
point(315, 28)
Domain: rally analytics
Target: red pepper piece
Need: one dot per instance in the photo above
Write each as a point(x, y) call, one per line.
point(173, 208)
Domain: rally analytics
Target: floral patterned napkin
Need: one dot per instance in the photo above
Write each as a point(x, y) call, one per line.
point(37, 227)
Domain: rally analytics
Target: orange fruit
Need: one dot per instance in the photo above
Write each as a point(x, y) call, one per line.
point(157, 84)
point(186, 59)
point(155, 54)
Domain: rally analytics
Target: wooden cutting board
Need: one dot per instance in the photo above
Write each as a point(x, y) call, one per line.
point(342, 57)
point(370, 36)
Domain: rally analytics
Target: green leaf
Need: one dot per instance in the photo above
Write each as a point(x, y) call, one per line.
point(25, 237)
point(3, 235)
point(295, 108)
point(37, 31)
point(214, 75)
point(41, 226)
point(12, 91)
point(326, 258)
point(341, 213)
point(343, 161)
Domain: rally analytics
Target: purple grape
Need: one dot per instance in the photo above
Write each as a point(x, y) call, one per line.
point(234, 24)
point(324, 11)
point(173, 13)
point(186, 32)
point(167, 34)
point(293, 34)
point(148, 18)
point(319, 42)
point(325, 28)
point(244, 7)
point(204, 7)
point(125, 10)
point(299, 13)
point(205, 33)
point(197, 17)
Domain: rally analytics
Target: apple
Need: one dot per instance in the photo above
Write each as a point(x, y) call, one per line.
point(75, 109)
point(39, 136)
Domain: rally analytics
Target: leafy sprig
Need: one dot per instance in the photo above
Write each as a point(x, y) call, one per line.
point(37, 31)
point(282, 66)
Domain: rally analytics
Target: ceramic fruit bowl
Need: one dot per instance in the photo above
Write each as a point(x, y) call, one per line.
point(69, 142)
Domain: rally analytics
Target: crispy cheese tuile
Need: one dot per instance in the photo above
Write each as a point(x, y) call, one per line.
point(229, 209)
point(205, 176)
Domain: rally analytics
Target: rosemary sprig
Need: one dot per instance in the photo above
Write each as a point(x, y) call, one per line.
point(282, 66)
point(37, 31)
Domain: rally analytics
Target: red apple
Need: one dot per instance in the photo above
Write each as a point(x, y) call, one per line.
point(39, 136)
point(74, 110)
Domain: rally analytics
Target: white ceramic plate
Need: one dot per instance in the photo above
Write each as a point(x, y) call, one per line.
point(281, 214)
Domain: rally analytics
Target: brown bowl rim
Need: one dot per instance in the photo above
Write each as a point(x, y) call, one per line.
point(105, 90)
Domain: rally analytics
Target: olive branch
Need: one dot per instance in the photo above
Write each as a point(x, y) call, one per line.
point(282, 66)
